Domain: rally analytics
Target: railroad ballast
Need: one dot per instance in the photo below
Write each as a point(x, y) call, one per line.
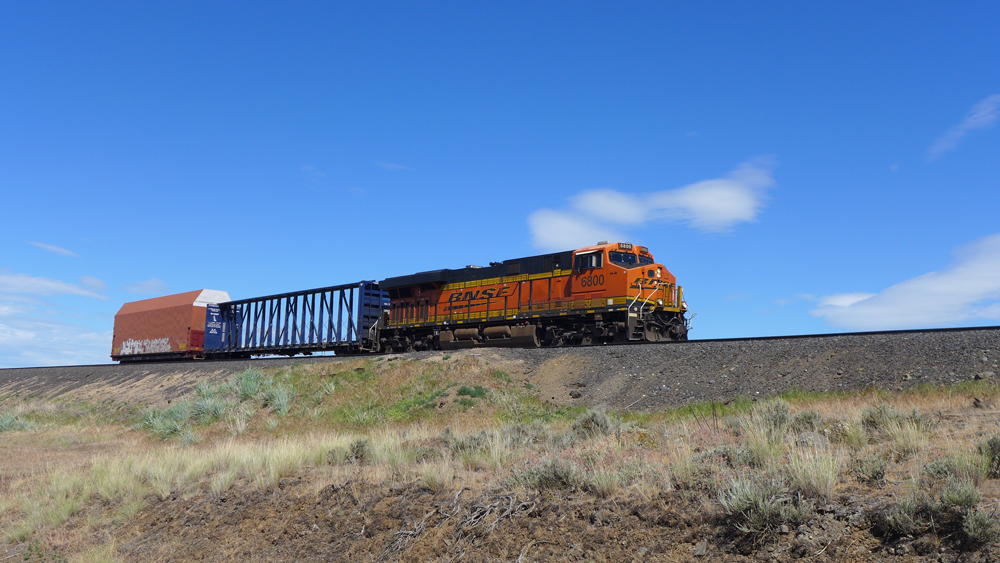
point(609, 292)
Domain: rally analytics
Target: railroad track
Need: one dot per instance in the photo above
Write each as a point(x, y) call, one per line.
point(320, 357)
point(641, 375)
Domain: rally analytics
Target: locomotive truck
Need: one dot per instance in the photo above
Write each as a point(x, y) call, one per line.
point(609, 292)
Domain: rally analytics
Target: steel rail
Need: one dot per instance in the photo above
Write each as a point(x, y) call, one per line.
point(626, 343)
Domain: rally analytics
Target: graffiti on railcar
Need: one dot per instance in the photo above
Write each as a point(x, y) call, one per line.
point(147, 346)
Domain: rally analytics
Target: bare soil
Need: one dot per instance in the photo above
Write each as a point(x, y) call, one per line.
point(306, 520)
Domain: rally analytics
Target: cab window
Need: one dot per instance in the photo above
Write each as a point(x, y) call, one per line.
point(626, 259)
point(644, 260)
point(589, 261)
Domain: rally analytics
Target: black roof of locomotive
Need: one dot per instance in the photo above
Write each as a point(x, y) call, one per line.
point(528, 265)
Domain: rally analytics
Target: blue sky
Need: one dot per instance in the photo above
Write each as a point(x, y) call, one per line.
point(800, 167)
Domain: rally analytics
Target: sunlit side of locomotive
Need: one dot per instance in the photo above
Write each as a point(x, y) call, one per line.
point(609, 292)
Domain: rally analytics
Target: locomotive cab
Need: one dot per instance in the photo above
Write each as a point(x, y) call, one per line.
point(641, 293)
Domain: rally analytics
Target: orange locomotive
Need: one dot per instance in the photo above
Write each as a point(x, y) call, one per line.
point(610, 292)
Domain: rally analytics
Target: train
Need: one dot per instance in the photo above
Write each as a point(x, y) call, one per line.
point(611, 292)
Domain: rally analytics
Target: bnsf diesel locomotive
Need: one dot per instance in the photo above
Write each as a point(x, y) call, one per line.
point(610, 292)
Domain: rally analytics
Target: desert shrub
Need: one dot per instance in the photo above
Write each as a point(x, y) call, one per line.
point(918, 512)
point(534, 432)
point(980, 527)
point(205, 389)
point(773, 415)
point(278, 398)
point(470, 443)
point(960, 494)
point(990, 450)
point(969, 467)
point(911, 517)
point(764, 428)
point(550, 474)
point(10, 422)
point(209, 408)
point(850, 434)
point(807, 421)
point(359, 451)
point(884, 419)
point(187, 436)
point(870, 469)
point(365, 414)
point(166, 423)
point(593, 423)
point(476, 392)
point(758, 506)
point(248, 383)
point(728, 455)
point(760, 454)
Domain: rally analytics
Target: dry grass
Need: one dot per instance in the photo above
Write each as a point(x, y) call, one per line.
point(399, 421)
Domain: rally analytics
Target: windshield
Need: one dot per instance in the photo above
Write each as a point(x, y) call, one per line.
point(643, 260)
point(626, 259)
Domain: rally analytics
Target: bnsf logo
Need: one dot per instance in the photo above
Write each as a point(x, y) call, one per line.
point(488, 293)
point(647, 283)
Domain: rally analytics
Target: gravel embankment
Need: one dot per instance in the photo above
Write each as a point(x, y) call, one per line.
point(144, 382)
point(637, 377)
point(675, 374)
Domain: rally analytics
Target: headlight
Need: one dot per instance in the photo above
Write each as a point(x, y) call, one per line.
point(657, 272)
point(659, 302)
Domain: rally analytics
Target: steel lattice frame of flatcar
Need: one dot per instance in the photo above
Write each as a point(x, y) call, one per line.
point(342, 319)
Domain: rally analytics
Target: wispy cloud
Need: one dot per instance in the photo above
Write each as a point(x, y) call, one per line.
point(715, 205)
point(53, 248)
point(147, 287)
point(313, 171)
point(982, 116)
point(966, 291)
point(92, 283)
point(33, 341)
point(392, 166)
point(24, 284)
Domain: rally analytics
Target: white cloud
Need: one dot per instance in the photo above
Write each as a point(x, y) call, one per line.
point(30, 341)
point(32, 285)
point(152, 285)
point(33, 333)
point(610, 206)
point(982, 116)
point(52, 248)
point(966, 291)
point(559, 230)
point(843, 299)
point(716, 205)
